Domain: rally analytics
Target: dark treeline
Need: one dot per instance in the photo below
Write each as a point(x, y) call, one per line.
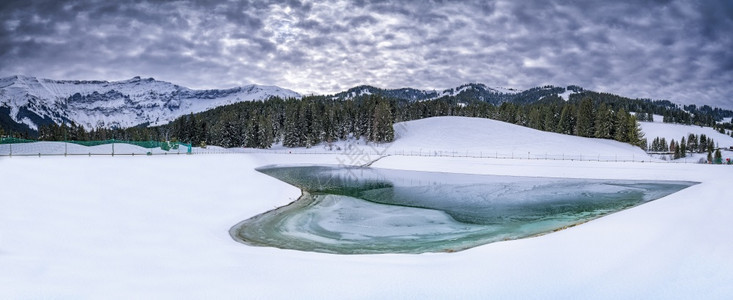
point(316, 119)
point(74, 132)
point(293, 122)
point(671, 113)
point(321, 119)
point(312, 120)
point(690, 144)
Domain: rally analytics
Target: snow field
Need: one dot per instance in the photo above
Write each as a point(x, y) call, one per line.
point(489, 137)
point(157, 227)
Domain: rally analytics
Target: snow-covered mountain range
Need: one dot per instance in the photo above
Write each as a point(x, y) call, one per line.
point(464, 93)
point(32, 102)
point(477, 90)
point(29, 102)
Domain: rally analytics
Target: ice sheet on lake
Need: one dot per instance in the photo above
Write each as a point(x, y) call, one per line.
point(353, 210)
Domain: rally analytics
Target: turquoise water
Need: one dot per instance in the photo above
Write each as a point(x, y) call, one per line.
point(354, 210)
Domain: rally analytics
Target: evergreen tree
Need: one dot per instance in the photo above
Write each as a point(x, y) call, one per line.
point(535, 119)
point(604, 123)
point(622, 126)
point(192, 130)
point(382, 125)
point(566, 123)
point(683, 148)
point(202, 133)
point(585, 116)
point(702, 144)
point(673, 146)
point(718, 157)
point(692, 143)
point(264, 133)
point(635, 135)
point(549, 123)
point(664, 145)
point(291, 131)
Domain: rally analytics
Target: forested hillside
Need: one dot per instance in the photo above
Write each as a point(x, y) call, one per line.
point(317, 119)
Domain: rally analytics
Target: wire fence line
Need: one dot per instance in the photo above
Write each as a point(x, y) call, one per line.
point(351, 154)
point(368, 156)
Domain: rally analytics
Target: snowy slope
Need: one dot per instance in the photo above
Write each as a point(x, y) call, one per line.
point(490, 137)
point(33, 101)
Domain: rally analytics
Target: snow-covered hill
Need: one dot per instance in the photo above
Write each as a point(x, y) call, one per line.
point(35, 101)
point(477, 135)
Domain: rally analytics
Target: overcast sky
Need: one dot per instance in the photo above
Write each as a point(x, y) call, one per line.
point(676, 50)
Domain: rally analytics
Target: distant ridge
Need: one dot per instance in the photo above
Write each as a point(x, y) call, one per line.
point(30, 102)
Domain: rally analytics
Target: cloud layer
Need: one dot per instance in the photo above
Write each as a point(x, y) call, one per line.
point(677, 50)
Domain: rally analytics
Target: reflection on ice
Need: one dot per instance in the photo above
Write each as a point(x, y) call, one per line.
point(353, 210)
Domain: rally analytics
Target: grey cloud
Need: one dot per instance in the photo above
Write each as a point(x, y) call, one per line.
point(359, 21)
point(676, 50)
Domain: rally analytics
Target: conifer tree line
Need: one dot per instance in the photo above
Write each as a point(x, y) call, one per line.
point(293, 122)
point(690, 144)
point(248, 125)
point(322, 119)
point(646, 108)
point(317, 119)
point(75, 132)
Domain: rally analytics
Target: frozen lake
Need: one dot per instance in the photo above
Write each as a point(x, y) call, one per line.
point(354, 210)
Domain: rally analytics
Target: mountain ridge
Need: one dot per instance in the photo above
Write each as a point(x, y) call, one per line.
point(27, 102)
point(33, 102)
